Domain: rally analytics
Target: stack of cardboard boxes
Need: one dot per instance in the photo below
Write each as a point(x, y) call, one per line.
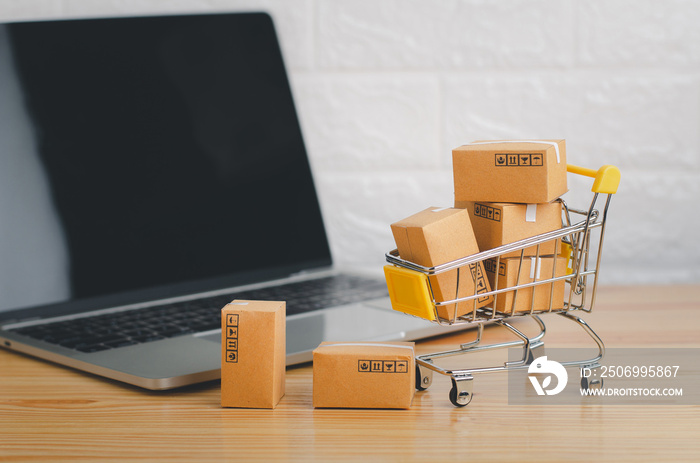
point(508, 191)
point(504, 192)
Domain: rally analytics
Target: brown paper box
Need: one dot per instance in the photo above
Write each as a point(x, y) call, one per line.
point(508, 277)
point(509, 172)
point(496, 224)
point(253, 353)
point(437, 236)
point(364, 375)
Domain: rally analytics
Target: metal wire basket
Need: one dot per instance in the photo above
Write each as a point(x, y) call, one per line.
point(569, 285)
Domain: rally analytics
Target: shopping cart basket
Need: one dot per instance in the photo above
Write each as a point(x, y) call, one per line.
point(579, 243)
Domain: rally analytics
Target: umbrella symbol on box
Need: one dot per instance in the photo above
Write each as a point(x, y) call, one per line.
point(364, 365)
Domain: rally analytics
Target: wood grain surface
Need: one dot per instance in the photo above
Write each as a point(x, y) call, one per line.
point(52, 413)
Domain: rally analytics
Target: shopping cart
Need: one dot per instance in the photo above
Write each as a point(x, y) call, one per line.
point(579, 243)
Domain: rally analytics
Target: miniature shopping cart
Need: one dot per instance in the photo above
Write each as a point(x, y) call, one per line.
point(579, 243)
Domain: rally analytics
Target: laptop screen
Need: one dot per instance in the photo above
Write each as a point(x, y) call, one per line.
point(149, 156)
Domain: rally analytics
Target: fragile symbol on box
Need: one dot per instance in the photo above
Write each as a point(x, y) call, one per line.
point(401, 366)
point(479, 281)
point(231, 338)
point(481, 285)
point(518, 160)
point(490, 265)
point(382, 366)
point(475, 270)
point(487, 212)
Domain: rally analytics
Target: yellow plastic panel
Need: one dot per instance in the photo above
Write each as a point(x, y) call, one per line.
point(409, 292)
point(567, 252)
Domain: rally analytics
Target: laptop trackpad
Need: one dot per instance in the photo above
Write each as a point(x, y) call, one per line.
point(349, 324)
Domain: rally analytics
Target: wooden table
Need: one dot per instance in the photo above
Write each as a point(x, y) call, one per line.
point(52, 413)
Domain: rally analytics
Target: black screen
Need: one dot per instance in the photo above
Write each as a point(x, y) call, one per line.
point(171, 151)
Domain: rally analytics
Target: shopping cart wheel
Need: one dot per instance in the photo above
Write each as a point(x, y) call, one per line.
point(591, 383)
point(461, 392)
point(424, 378)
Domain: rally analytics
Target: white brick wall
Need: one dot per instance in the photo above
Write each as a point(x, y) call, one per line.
point(385, 89)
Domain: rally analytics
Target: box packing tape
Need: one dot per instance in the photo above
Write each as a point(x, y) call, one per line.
point(535, 267)
point(531, 213)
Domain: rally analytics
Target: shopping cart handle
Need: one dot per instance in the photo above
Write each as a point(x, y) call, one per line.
point(607, 178)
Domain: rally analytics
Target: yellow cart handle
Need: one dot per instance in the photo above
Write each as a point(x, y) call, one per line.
point(607, 178)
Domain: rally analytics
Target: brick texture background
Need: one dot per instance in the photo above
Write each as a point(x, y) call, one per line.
point(385, 89)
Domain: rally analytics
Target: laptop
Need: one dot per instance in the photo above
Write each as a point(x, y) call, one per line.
point(153, 170)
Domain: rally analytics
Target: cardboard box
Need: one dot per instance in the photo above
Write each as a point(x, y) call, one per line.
point(496, 224)
point(531, 267)
point(437, 236)
point(253, 348)
point(510, 172)
point(364, 375)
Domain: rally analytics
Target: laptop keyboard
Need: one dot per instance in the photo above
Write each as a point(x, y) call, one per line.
point(126, 328)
